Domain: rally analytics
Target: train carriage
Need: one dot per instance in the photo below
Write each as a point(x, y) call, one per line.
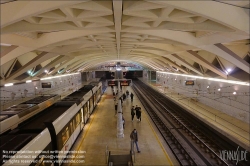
point(60, 133)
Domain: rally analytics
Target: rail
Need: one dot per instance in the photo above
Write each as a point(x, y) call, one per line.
point(183, 126)
point(215, 116)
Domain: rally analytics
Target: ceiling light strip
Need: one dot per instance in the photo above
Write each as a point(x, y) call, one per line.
point(47, 78)
point(207, 78)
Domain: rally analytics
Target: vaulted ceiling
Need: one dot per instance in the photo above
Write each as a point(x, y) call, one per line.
point(208, 38)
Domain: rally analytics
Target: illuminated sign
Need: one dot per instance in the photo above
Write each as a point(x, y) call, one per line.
point(112, 83)
point(125, 82)
point(189, 82)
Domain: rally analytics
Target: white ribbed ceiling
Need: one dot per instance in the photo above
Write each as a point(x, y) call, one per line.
point(196, 37)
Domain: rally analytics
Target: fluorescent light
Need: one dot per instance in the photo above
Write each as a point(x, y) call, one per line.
point(28, 81)
point(46, 71)
point(4, 44)
point(207, 86)
point(219, 89)
point(234, 93)
point(9, 84)
point(36, 87)
point(229, 70)
point(47, 78)
point(212, 79)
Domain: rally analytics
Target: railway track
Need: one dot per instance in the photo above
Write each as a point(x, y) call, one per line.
point(191, 143)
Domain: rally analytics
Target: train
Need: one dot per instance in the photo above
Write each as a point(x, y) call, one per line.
point(51, 131)
point(16, 114)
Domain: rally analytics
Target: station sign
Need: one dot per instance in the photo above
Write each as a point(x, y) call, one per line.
point(112, 83)
point(189, 82)
point(125, 82)
point(46, 85)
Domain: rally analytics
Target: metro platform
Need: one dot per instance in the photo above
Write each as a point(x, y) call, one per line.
point(101, 133)
point(232, 128)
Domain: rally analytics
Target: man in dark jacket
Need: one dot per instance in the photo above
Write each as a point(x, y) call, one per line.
point(132, 96)
point(134, 138)
point(133, 112)
point(137, 112)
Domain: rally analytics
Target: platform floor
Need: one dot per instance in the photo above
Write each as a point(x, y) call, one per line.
point(101, 131)
point(235, 129)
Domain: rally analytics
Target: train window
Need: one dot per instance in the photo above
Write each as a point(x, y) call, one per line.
point(91, 102)
point(72, 127)
point(65, 135)
point(78, 119)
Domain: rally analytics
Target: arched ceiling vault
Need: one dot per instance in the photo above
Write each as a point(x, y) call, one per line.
point(207, 38)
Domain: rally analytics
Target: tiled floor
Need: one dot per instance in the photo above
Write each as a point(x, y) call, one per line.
point(102, 131)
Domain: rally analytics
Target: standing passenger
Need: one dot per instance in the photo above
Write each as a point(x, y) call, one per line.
point(116, 105)
point(133, 112)
point(139, 113)
point(127, 92)
point(124, 96)
point(123, 122)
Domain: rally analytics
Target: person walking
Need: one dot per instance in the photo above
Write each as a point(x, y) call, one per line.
point(132, 96)
point(137, 112)
point(133, 112)
point(123, 122)
point(134, 138)
point(127, 93)
point(124, 96)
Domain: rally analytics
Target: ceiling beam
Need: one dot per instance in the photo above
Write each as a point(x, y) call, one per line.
point(53, 63)
point(117, 8)
point(231, 57)
point(185, 63)
point(197, 58)
point(34, 62)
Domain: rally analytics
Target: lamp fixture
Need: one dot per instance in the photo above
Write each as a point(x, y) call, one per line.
point(4, 44)
point(28, 81)
point(234, 93)
point(207, 87)
point(9, 84)
point(219, 89)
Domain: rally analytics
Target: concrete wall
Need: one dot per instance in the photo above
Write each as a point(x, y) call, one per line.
point(224, 100)
point(86, 76)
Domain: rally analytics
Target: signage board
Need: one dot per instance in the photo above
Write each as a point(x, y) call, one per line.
point(112, 83)
point(189, 82)
point(125, 82)
point(46, 85)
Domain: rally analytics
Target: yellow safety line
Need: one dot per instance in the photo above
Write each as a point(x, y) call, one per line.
point(84, 135)
point(168, 158)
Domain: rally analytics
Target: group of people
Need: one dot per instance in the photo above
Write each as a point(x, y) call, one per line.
point(124, 95)
point(135, 110)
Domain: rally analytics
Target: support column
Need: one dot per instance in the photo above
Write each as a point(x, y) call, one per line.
point(120, 133)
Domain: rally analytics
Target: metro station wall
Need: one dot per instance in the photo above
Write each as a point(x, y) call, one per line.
point(31, 89)
point(86, 76)
point(224, 100)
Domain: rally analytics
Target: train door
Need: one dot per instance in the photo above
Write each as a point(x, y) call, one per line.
point(94, 100)
point(82, 117)
point(86, 113)
point(91, 104)
point(72, 129)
